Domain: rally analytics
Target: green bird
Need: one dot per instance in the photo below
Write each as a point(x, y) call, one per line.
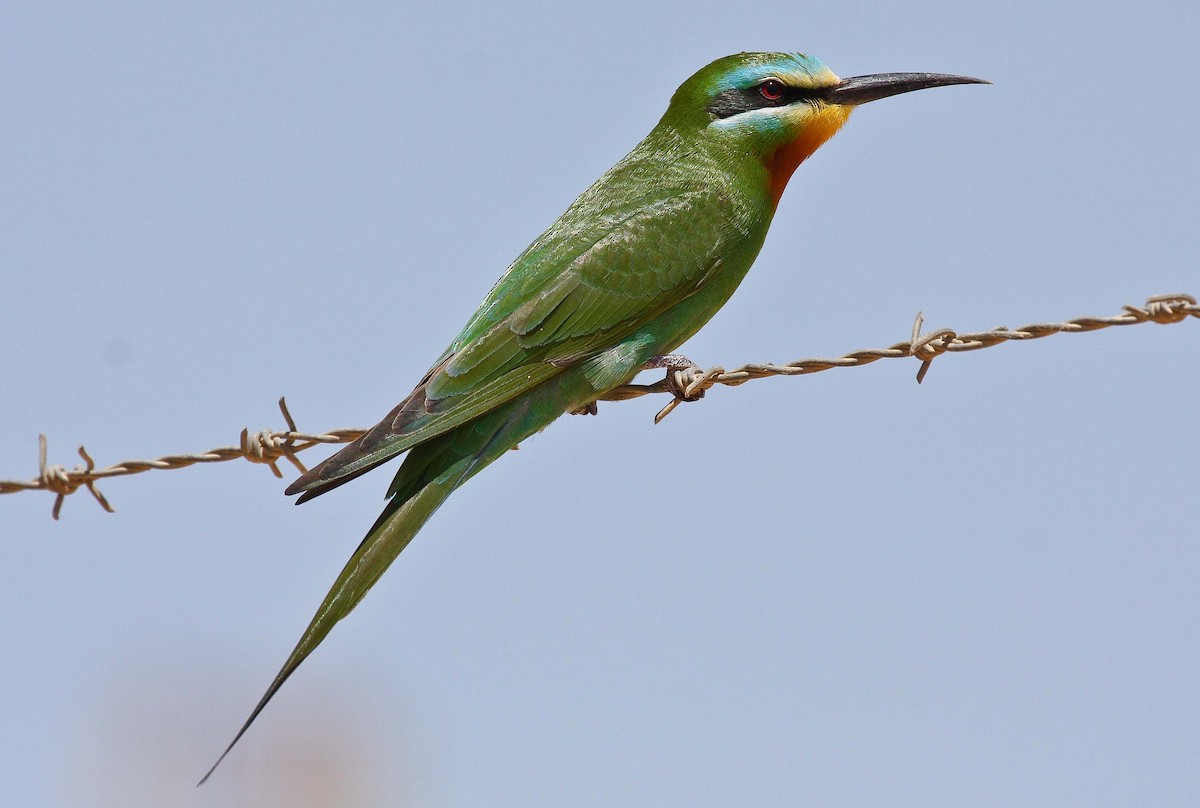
point(633, 268)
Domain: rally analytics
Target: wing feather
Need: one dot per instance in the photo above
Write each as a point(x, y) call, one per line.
point(576, 292)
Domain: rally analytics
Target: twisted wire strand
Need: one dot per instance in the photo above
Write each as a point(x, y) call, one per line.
point(688, 384)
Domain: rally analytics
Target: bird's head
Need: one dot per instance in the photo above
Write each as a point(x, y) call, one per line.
point(780, 107)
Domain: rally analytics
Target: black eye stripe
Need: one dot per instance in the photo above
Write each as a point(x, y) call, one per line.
point(733, 102)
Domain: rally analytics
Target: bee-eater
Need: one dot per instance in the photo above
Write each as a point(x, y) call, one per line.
point(635, 266)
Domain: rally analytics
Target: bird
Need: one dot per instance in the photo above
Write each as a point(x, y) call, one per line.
point(633, 268)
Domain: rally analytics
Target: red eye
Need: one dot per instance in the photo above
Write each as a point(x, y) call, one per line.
point(771, 89)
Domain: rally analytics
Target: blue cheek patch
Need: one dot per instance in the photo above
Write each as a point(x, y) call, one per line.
point(766, 119)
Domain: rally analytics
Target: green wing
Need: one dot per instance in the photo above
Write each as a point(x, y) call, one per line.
point(599, 273)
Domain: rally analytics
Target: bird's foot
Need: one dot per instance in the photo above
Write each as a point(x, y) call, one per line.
point(673, 361)
point(677, 383)
point(591, 408)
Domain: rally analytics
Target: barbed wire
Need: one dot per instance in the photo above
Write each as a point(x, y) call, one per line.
point(686, 384)
point(265, 446)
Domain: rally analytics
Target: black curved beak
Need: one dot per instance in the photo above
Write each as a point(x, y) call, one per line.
point(863, 89)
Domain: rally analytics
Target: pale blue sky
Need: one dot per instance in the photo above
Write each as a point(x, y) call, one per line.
point(843, 589)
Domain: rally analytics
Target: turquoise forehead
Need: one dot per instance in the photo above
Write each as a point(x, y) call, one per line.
point(756, 67)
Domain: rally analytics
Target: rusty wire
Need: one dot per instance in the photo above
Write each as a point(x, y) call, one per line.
point(268, 446)
point(265, 446)
point(1162, 309)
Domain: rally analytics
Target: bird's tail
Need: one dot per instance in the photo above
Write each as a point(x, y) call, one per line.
point(431, 472)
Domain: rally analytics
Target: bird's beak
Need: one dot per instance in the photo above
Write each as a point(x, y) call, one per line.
point(861, 89)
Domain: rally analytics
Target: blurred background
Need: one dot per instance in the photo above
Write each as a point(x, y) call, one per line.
point(842, 589)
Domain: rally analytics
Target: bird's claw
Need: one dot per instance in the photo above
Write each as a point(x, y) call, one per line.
point(591, 408)
point(678, 382)
point(678, 378)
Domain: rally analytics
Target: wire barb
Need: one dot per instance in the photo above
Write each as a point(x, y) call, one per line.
point(686, 384)
point(266, 446)
point(62, 482)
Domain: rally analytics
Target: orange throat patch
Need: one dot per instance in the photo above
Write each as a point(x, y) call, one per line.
point(819, 127)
